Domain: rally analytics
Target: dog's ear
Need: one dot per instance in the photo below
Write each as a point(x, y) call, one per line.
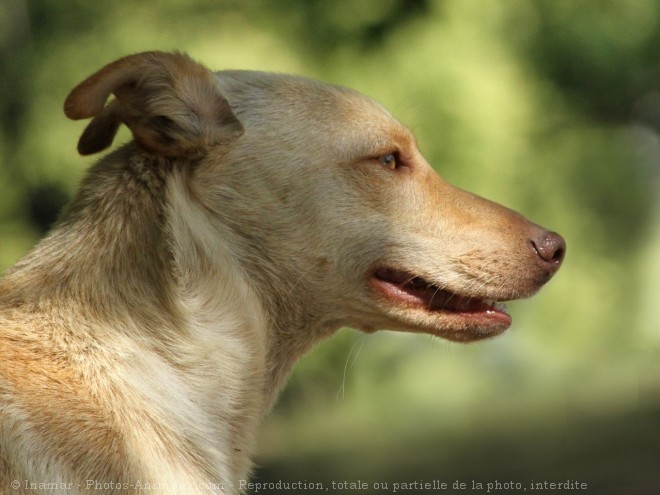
point(173, 105)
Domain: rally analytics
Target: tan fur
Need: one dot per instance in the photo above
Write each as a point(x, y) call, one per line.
point(145, 337)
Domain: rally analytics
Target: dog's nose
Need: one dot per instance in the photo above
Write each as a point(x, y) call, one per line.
point(551, 248)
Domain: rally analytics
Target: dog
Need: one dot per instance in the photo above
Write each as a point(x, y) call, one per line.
point(251, 216)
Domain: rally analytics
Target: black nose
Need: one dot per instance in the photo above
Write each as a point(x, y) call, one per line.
point(551, 248)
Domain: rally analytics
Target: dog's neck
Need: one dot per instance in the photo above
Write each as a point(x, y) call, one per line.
point(210, 277)
point(137, 253)
point(148, 252)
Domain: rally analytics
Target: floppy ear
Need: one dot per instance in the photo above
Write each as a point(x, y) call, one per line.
point(173, 105)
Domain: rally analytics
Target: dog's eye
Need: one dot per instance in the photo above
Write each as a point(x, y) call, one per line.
point(390, 161)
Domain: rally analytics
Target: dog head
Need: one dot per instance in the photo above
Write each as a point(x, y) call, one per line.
point(329, 204)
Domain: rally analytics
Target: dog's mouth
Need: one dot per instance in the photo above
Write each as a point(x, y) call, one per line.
point(472, 311)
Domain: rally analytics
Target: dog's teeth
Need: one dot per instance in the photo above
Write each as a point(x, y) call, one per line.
point(500, 306)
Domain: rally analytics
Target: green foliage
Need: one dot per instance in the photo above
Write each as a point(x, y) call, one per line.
point(550, 107)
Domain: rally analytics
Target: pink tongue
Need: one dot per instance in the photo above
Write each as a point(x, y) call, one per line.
point(432, 297)
point(441, 299)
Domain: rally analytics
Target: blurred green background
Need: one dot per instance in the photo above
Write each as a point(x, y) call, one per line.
point(551, 107)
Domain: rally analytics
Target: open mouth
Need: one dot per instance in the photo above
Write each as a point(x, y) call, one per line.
point(414, 291)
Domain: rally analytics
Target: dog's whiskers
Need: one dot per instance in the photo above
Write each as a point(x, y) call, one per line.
point(347, 368)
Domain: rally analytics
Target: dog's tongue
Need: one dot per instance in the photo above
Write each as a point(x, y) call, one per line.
point(431, 296)
point(435, 298)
